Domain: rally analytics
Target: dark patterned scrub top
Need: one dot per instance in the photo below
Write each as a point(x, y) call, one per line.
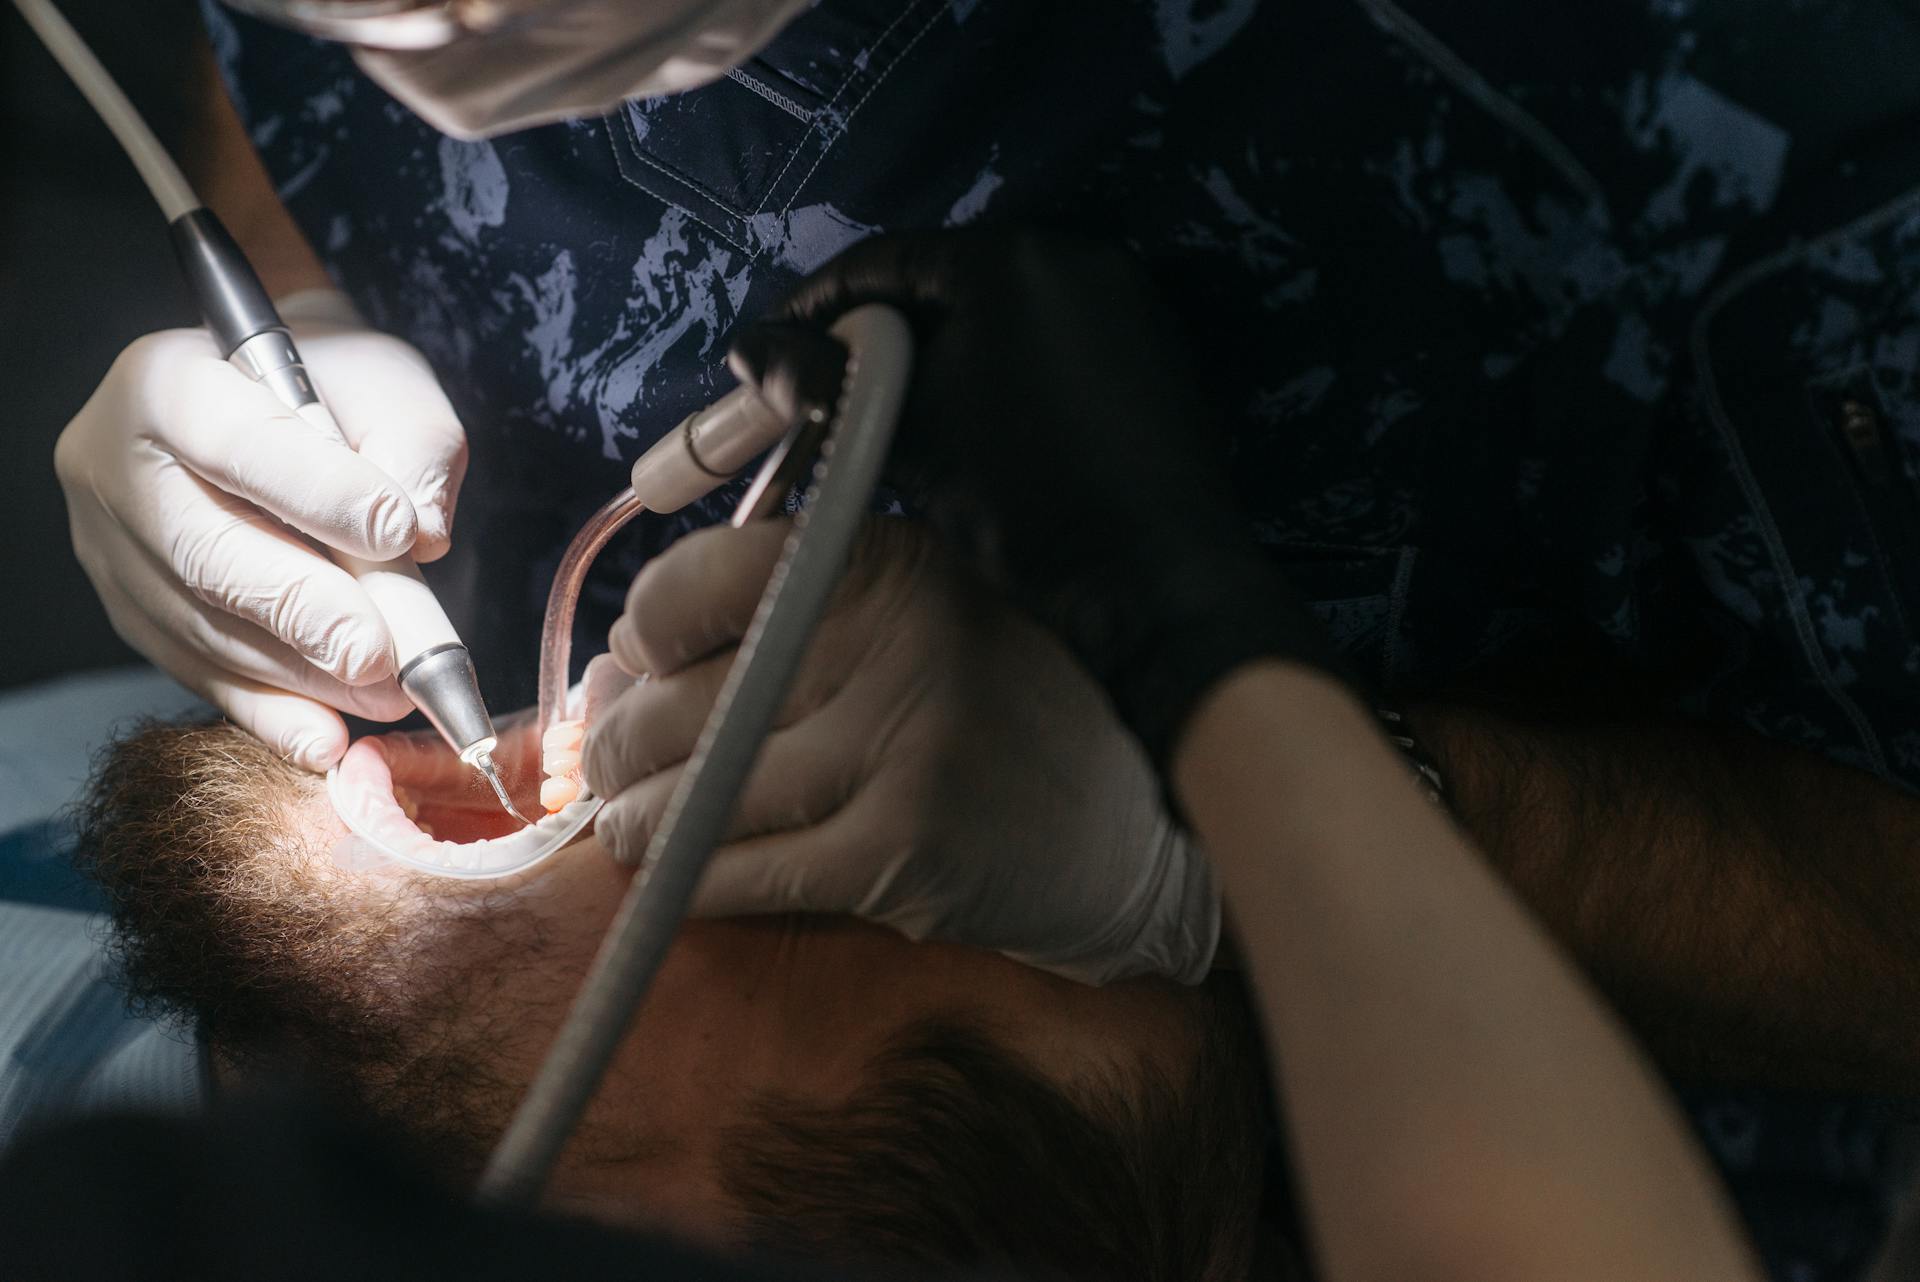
point(1542, 327)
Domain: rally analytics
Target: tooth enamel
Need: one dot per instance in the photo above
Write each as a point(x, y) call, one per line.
point(555, 793)
point(564, 736)
point(561, 761)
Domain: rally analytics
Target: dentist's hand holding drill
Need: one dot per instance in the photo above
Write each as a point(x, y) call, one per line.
point(201, 508)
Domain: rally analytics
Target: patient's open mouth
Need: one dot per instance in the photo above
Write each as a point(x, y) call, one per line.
point(407, 797)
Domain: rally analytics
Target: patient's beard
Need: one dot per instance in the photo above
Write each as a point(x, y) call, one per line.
point(214, 857)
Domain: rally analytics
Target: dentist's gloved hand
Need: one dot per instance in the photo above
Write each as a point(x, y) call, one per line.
point(941, 766)
point(195, 499)
point(1058, 438)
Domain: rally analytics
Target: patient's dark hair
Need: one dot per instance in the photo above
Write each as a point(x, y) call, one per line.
point(955, 1155)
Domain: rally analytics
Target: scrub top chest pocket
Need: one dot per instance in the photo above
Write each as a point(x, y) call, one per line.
point(735, 153)
point(1811, 374)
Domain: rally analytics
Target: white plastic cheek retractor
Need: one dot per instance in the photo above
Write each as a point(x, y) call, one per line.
point(379, 828)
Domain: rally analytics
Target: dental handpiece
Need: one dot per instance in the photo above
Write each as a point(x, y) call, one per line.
point(433, 665)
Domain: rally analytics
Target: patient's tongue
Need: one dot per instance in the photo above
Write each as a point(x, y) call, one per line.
point(463, 822)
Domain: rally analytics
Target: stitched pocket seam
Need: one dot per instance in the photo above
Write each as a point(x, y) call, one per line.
point(1700, 343)
point(619, 121)
point(871, 89)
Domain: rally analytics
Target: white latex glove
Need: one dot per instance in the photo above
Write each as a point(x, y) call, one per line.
point(194, 498)
point(942, 766)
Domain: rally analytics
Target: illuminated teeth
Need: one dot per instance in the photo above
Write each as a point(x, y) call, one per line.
point(555, 793)
point(564, 736)
point(560, 762)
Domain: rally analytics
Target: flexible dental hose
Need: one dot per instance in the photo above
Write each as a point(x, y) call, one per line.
point(796, 597)
point(163, 178)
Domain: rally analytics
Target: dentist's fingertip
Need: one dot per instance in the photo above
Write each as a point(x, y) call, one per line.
point(319, 752)
point(593, 769)
point(364, 658)
point(432, 544)
point(433, 518)
point(390, 526)
point(384, 700)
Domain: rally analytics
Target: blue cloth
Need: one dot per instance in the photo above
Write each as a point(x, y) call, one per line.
point(1516, 316)
point(1538, 325)
point(68, 1043)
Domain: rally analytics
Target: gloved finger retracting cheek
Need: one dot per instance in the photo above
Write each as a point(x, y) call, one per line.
point(601, 684)
point(797, 783)
point(624, 650)
point(656, 723)
point(649, 727)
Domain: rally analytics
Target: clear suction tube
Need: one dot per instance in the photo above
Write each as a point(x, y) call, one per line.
point(362, 794)
point(556, 631)
point(706, 448)
point(702, 452)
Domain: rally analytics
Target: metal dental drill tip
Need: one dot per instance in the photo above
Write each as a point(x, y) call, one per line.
point(483, 762)
point(442, 684)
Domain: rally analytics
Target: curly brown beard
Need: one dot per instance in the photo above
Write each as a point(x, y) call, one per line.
point(395, 991)
point(227, 910)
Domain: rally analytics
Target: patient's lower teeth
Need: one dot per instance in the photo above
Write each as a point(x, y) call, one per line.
point(563, 736)
point(556, 793)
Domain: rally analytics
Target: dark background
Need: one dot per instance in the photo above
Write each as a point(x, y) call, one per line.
point(84, 270)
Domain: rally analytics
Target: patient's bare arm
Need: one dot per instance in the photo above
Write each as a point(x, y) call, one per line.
point(1753, 909)
point(1460, 1105)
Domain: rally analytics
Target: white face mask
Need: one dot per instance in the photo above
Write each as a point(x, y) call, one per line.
point(581, 59)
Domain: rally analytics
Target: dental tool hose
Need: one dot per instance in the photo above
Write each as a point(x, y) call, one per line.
point(433, 666)
point(880, 351)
